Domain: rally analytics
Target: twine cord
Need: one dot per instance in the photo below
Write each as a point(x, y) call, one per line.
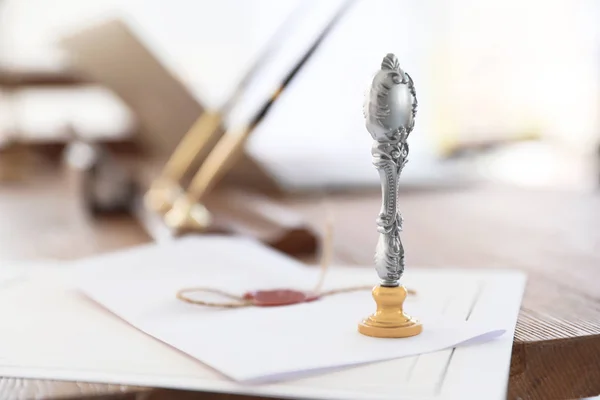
point(239, 301)
point(327, 252)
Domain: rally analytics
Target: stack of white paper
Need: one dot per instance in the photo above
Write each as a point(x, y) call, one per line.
point(308, 350)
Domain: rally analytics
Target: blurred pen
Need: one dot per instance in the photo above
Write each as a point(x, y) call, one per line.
point(225, 153)
point(165, 189)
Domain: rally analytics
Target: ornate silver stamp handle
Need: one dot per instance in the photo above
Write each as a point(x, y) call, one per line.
point(390, 111)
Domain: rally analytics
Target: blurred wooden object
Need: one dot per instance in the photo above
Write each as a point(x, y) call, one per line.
point(17, 78)
point(15, 161)
point(552, 235)
point(112, 55)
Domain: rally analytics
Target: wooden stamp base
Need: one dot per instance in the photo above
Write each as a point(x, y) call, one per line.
point(390, 321)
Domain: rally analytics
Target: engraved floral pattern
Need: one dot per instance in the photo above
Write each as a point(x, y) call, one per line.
point(390, 155)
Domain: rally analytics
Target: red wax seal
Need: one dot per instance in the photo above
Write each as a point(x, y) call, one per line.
point(279, 297)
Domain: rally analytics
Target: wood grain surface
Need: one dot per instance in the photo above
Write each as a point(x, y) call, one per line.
point(553, 235)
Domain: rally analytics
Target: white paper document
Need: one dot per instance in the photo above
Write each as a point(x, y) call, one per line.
point(309, 350)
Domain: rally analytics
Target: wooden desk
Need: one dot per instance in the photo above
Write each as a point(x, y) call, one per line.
point(554, 236)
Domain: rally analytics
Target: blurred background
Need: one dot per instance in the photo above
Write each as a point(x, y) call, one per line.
point(509, 91)
point(514, 83)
